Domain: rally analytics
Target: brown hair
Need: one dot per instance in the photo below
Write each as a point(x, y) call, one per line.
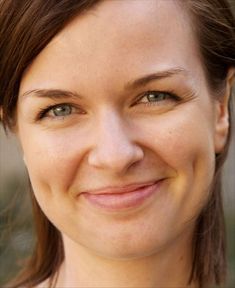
point(27, 26)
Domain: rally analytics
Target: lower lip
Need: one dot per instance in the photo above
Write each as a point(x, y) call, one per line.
point(122, 201)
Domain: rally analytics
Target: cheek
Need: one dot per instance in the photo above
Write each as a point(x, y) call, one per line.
point(52, 159)
point(187, 147)
point(179, 138)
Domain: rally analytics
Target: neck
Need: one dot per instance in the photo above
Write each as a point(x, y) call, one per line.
point(169, 267)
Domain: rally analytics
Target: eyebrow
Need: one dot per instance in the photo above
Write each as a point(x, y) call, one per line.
point(134, 84)
point(51, 93)
point(155, 76)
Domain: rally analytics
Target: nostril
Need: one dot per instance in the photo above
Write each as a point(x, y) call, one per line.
point(114, 147)
point(116, 157)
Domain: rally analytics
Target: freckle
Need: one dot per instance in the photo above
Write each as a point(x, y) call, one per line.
point(181, 258)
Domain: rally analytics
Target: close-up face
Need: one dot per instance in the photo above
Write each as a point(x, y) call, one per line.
point(118, 128)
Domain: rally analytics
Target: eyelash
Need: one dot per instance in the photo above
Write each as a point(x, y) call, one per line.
point(173, 97)
point(42, 113)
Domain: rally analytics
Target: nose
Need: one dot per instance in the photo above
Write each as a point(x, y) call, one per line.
point(114, 150)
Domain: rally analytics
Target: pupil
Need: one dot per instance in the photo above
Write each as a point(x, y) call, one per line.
point(153, 97)
point(62, 110)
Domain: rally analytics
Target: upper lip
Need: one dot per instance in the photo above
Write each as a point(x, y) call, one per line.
point(120, 189)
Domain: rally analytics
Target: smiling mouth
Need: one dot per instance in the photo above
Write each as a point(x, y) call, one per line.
point(124, 198)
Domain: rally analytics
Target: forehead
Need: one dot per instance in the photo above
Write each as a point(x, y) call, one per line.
point(118, 38)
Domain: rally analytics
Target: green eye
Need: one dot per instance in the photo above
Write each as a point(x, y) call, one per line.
point(155, 96)
point(61, 110)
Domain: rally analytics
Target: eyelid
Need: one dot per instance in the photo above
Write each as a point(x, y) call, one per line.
point(169, 92)
point(42, 112)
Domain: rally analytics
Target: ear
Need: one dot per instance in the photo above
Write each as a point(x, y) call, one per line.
point(222, 114)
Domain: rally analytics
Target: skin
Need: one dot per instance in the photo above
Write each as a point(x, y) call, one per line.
point(114, 138)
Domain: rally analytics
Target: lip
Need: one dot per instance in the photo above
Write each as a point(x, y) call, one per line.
point(122, 198)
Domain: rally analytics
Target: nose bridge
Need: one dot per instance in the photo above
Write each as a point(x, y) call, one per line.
point(112, 130)
point(114, 149)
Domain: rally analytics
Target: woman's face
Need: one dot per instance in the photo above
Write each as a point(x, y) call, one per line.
point(132, 108)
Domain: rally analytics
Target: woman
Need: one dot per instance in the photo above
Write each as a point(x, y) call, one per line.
point(122, 109)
